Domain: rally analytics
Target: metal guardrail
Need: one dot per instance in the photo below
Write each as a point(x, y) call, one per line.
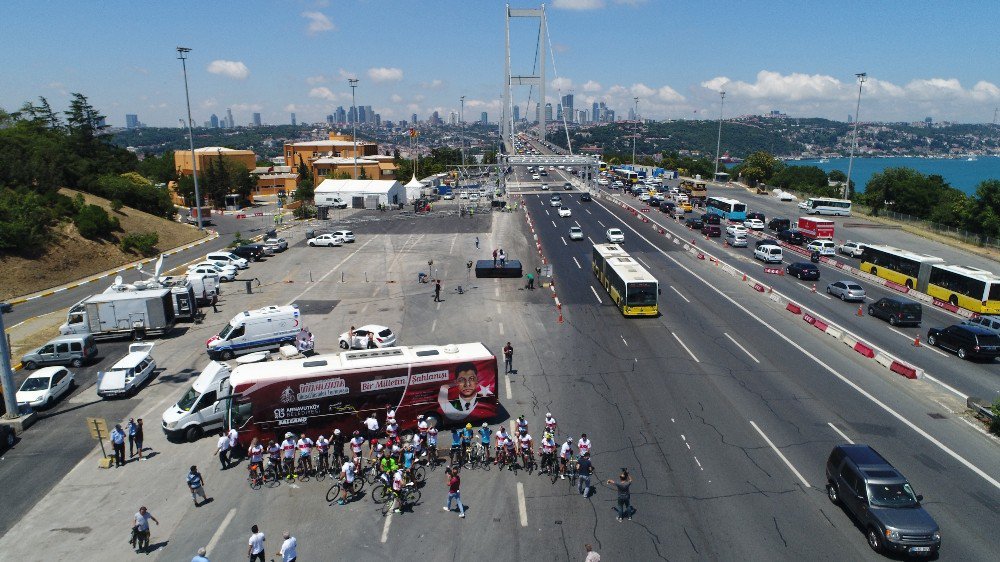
point(981, 408)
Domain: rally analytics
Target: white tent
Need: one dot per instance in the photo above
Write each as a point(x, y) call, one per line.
point(413, 189)
point(361, 194)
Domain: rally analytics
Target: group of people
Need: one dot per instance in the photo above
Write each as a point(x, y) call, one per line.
point(133, 433)
point(499, 257)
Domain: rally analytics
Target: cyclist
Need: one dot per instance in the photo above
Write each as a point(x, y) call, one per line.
point(510, 457)
point(526, 446)
point(337, 444)
point(456, 446)
point(422, 426)
point(432, 443)
point(347, 475)
point(550, 423)
point(409, 456)
point(391, 429)
point(485, 434)
point(256, 454)
point(305, 454)
point(288, 455)
point(418, 445)
point(565, 454)
point(387, 466)
point(356, 443)
point(502, 438)
point(583, 444)
point(466, 439)
point(522, 423)
point(398, 481)
point(322, 454)
point(548, 450)
point(274, 457)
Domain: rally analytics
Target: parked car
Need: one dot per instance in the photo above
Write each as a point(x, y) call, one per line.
point(896, 311)
point(846, 290)
point(228, 257)
point(754, 224)
point(786, 196)
point(711, 230)
point(668, 207)
point(768, 253)
point(72, 349)
point(791, 236)
point(711, 218)
point(614, 235)
point(347, 235)
point(338, 203)
point(565, 211)
point(966, 341)
point(43, 387)
point(575, 233)
point(990, 322)
point(803, 270)
point(755, 215)
point(881, 501)
point(209, 268)
point(823, 246)
point(381, 335)
point(778, 224)
point(736, 241)
point(448, 196)
point(128, 373)
point(584, 197)
point(252, 252)
point(694, 223)
point(276, 244)
point(326, 240)
point(853, 249)
point(227, 271)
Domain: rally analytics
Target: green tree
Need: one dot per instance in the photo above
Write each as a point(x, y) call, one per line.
point(759, 166)
point(804, 179)
point(93, 222)
point(904, 190)
point(985, 216)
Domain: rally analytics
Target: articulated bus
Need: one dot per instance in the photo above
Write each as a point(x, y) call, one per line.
point(634, 291)
point(628, 177)
point(826, 206)
point(971, 288)
point(729, 209)
point(451, 385)
point(904, 268)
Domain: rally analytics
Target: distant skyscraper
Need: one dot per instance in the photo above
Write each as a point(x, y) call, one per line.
point(631, 114)
point(229, 118)
point(370, 114)
point(378, 120)
point(595, 112)
point(928, 120)
point(453, 118)
point(482, 118)
point(517, 113)
point(329, 119)
point(567, 104)
point(352, 115)
point(435, 118)
point(293, 119)
point(559, 112)
point(610, 115)
point(256, 119)
point(131, 121)
point(340, 116)
point(548, 112)
point(850, 118)
point(214, 120)
point(413, 118)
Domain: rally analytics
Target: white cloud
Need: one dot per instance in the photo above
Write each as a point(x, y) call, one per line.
point(578, 4)
point(233, 69)
point(669, 95)
point(396, 98)
point(775, 86)
point(209, 103)
point(432, 85)
point(346, 75)
point(383, 74)
point(291, 107)
point(591, 86)
point(985, 91)
point(318, 22)
point(564, 84)
point(313, 80)
point(247, 107)
point(322, 93)
point(641, 90)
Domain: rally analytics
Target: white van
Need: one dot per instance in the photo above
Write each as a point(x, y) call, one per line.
point(255, 330)
point(129, 373)
point(768, 253)
point(202, 409)
point(824, 246)
point(228, 257)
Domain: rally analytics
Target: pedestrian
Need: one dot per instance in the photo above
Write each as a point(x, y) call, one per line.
point(130, 431)
point(196, 483)
point(118, 442)
point(503, 258)
point(371, 339)
point(288, 548)
point(508, 358)
point(223, 449)
point(138, 438)
point(255, 548)
point(371, 424)
point(454, 490)
point(201, 556)
point(591, 555)
point(531, 281)
point(624, 497)
point(215, 303)
point(584, 468)
point(233, 444)
point(140, 529)
point(437, 291)
point(350, 338)
point(494, 258)
point(477, 242)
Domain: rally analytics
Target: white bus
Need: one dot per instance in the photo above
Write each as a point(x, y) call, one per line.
point(826, 206)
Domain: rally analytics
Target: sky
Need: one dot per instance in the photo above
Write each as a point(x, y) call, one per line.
point(923, 58)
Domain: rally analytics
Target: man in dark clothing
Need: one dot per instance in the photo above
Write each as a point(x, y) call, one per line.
point(624, 508)
point(508, 358)
point(437, 291)
point(584, 468)
point(494, 258)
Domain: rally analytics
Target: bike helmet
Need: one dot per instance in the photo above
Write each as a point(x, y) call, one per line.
point(468, 426)
point(548, 414)
point(569, 439)
point(336, 432)
point(356, 432)
point(485, 424)
point(320, 437)
point(420, 417)
point(524, 430)
point(289, 435)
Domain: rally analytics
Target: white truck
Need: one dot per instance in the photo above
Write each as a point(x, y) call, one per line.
point(131, 313)
point(256, 330)
point(202, 409)
point(182, 293)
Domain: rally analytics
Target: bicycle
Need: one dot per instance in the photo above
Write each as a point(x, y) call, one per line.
point(470, 458)
point(408, 496)
point(482, 455)
point(303, 468)
point(322, 467)
point(255, 476)
point(356, 488)
point(571, 473)
point(418, 474)
point(371, 472)
point(528, 459)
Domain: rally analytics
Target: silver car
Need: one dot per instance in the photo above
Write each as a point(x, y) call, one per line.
point(846, 290)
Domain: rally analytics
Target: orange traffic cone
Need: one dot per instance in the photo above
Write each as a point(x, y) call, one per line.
point(916, 341)
point(744, 277)
point(861, 310)
point(814, 288)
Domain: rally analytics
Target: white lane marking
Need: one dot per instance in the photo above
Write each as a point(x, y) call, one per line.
point(596, 296)
point(496, 291)
point(554, 224)
point(686, 348)
point(741, 347)
point(577, 223)
point(588, 211)
point(218, 532)
point(499, 310)
point(335, 268)
point(679, 293)
point(521, 508)
point(601, 223)
point(840, 433)
point(699, 463)
point(577, 263)
point(385, 527)
point(451, 250)
point(642, 262)
point(591, 240)
point(506, 384)
point(364, 309)
point(434, 324)
point(623, 339)
point(439, 306)
point(902, 419)
point(947, 386)
point(564, 241)
point(547, 213)
point(500, 327)
point(780, 455)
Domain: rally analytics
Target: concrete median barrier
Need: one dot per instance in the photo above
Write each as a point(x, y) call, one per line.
point(793, 308)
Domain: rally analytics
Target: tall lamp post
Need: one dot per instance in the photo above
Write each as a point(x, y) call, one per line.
point(354, 123)
point(718, 141)
point(635, 113)
point(862, 76)
point(461, 118)
point(6, 374)
point(182, 54)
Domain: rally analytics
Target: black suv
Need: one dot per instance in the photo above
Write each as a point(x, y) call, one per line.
point(966, 341)
point(694, 223)
point(584, 197)
point(881, 500)
point(250, 252)
point(803, 270)
point(778, 224)
point(711, 218)
point(791, 236)
point(896, 311)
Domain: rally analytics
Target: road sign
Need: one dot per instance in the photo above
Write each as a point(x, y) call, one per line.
point(547, 270)
point(98, 427)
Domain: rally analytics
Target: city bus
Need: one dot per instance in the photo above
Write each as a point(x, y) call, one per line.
point(628, 177)
point(971, 288)
point(451, 385)
point(908, 269)
point(602, 165)
point(826, 206)
point(729, 209)
point(633, 289)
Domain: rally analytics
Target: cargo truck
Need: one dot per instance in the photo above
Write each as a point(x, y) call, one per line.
point(812, 228)
point(131, 313)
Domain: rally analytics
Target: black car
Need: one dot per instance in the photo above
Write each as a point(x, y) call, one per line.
point(568, 186)
point(756, 215)
point(896, 311)
point(711, 218)
point(966, 341)
point(694, 223)
point(250, 252)
point(881, 501)
point(778, 224)
point(655, 201)
point(584, 197)
point(791, 236)
point(803, 270)
point(767, 242)
point(711, 230)
point(667, 207)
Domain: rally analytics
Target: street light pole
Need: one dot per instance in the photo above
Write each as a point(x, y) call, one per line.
point(182, 54)
point(862, 76)
point(635, 113)
point(718, 142)
point(461, 118)
point(6, 374)
point(354, 123)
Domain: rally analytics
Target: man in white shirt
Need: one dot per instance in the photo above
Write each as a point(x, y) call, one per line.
point(347, 481)
point(255, 550)
point(223, 450)
point(288, 548)
point(233, 440)
point(372, 425)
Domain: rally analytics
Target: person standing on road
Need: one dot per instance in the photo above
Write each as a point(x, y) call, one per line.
point(454, 490)
point(437, 291)
point(234, 440)
point(201, 556)
point(140, 529)
point(477, 242)
point(503, 258)
point(584, 469)
point(624, 496)
point(591, 555)
point(223, 449)
point(118, 442)
point(508, 358)
point(371, 336)
point(138, 438)
point(130, 431)
point(531, 281)
point(196, 483)
point(255, 548)
point(494, 258)
point(288, 548)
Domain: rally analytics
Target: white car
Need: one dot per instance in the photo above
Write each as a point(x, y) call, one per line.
point(448, 196)
point(614, 235)
point(768, 253)
point(128, 373)
point(785, 196)
point(565, 212)
point(347, 235)
point(853, 249)
point(555, 201)
point(644, 197)
point(326, 240)
point(754, 224)
point(736, 230)
point(536, 177)
point(603, 181)
point(382, 336)
point(474, 197)
point(224, 265)
point(228, 257)
point(276, 244)
point(338, 203)
point(44, 386)
point(463, 195)
point(545, 187)
point(223, 274)
point(575, 233)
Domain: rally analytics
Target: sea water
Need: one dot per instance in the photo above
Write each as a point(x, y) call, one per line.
point(959, 173)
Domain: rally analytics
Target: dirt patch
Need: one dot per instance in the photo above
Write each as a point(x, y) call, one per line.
point(70, 256)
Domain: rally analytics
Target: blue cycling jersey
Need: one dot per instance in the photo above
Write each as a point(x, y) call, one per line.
point(408, 459)
point(456, 438)
point(467, 435)
point(484, 435)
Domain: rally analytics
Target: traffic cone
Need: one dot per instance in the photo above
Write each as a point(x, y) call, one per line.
point(861, 310)
point(744, 277)
point(916, 341)
point(814, 288)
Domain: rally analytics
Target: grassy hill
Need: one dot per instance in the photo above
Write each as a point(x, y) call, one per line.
point(69, 256)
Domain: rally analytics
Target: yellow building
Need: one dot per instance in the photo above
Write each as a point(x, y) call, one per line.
point(182, 158)
point(272, 179)
point(336, 156)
